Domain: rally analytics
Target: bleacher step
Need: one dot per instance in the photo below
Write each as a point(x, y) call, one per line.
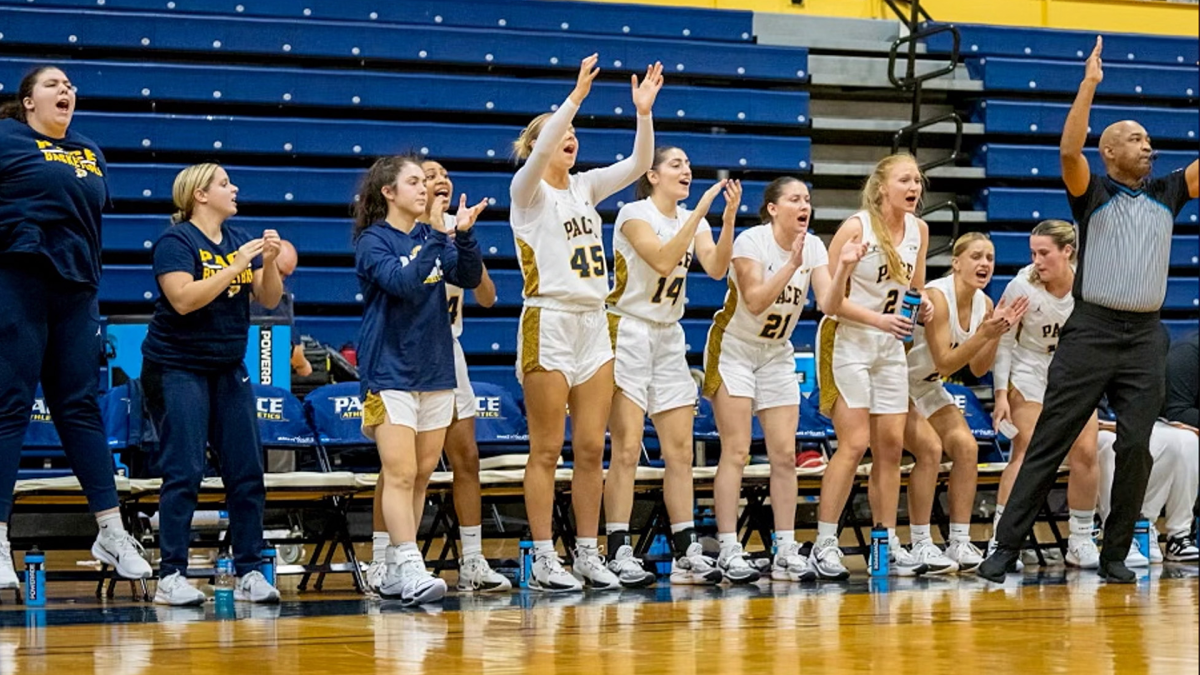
point(887, 126)
point(865, 71)
point(825, 168)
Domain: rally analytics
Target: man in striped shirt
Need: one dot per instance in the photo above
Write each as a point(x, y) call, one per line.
point(1114, 342)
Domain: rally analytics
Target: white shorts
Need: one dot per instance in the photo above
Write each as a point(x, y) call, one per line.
point(575, 344)
point(417, 410)
point(870, 370)
point(929, 397)
point(464, 395)
point(1028, 374)
point(764, 372)
point(651, 367)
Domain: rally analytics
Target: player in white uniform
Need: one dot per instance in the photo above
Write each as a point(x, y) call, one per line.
point(1022, 362)
point(654, 243)
point(564, 351)
point(474, 574)
point(750, 368)
point(963, 332)
point(862, 371)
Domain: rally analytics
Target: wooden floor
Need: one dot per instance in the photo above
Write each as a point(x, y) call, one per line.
point(1052, 622)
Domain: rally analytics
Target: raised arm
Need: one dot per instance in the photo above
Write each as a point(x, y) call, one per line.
point(462, 263)
point(1075, 171)
point(608, 180)
point(375, 262)
point(524, 189)
point(662, 256)
point(714, 257)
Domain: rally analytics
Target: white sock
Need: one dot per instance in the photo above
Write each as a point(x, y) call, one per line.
point(996, 519)
point(543, 549)
point(785, 537)
point(379, 543)
point(919, 533)
point(405, 552)
point(680, 527)
point(110, 525)
point(472, 540)
point(1081, 523)
point(589, 544)
point(609, 528)
point(727, 539)
point(826, 530)
point(893, 540)
point(960, 532)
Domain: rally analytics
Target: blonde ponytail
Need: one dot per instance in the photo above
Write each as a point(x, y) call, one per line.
point(523, 146)
point(183, 192)
point(872, 203)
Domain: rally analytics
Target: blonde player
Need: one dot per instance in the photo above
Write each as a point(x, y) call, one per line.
point(654, 242)
point(862, 370)
point(564, 351)
point(964, 331)
point(750, 368)
point(474, 573)
point(1022, 363)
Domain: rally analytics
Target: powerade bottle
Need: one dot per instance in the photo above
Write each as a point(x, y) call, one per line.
point(525, 560)
point(879, 551)
point(268, 564)
point(910, 308)
point(35, 578)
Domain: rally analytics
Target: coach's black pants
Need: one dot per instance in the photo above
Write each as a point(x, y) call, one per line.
point(1100, 351)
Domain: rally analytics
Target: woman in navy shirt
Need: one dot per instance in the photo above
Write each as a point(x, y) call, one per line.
point(53, 186)
point(406, 350)
point(195, 380)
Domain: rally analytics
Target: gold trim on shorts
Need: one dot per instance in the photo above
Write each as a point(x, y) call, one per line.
point(529, 269)
point(620, 277)
point(826, 331)
point(531, 339)
point(374, 412)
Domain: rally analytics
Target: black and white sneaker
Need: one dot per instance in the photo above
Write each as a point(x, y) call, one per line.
point(1182, 549)
point(733, 563)
point(630, 570)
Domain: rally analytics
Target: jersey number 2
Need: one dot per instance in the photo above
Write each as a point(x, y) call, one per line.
point(671, 290)
point(580, 263)
point(893, 296)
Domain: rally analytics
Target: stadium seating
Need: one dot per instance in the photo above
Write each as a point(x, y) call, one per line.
point(1028, 75)
point(1034, 161)
point(1068, 45)
point(1039, 118)
point(1034, 204)
point(1183, 293)
point(1012, 248)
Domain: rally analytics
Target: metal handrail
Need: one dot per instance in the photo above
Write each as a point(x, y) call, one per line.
point(951, 206)
point(912, 79)
point(912, 130)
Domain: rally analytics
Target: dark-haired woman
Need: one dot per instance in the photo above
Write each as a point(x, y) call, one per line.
point(406, 349)
point(53, 186)
point(750, 369)
point(654, 243)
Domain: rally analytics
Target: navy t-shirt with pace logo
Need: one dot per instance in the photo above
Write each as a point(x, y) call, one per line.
point(213, 337)
point(52, 191)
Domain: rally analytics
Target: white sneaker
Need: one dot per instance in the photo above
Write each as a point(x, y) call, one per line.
point(630, 571)
point(476, 575)
point(590, 569)
point(409, 581)
point(965, 554)
point(1156, 552)
point(123, 553)
point(254, 587)
point(8, 574)
point(1135, 558)
point(826, 560)
point(376, 572)
point(175, 590)
point(791, 565)
point(694, 568)
point(927, 553)
point(1179, 549)
point(1018, 565)
point(734, 566)
point(1083, 553)
point(902, 563)
point(549, 575)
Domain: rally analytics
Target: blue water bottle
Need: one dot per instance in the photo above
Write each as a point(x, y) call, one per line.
point(879, 551)
point(35, 578)
point(268, 564)
point(525, 560)
point(1141, 536)
point(910, 308)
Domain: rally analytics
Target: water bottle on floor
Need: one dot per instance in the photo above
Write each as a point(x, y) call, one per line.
point(879, 551)
point(268, 564)
point(223, 586)
point(1141, 536)
point(35, 578)
point(525, 559)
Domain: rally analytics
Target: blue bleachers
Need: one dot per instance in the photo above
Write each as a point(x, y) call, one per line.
point(291, 87)
point(1032, 117)
point(1183, 293)
point(447, 142)
point(559, 17)
point(1034, 204)
point(1042, 161)
point(396, 42)
point(1071, 45)
point(1012, 248)
point(1030, 75)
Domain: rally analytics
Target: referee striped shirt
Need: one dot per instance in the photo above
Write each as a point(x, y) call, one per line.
point(1125, 241)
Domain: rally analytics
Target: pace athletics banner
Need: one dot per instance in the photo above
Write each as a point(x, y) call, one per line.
point(268, 350)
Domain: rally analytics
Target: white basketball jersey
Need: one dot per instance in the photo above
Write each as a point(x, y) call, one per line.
point(639, 291)
point(561, 249)
point(454, 295)
point(776, 323)
point(920, 360)
point(1038, 332)
point(870, 285)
